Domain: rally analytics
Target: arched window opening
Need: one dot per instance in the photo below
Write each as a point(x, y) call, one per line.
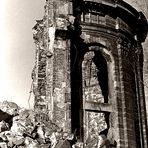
point(89, 95)
point(95, 91)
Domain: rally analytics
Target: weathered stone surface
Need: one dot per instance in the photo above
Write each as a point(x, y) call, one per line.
point(3, 126)
point(17, 140)
point(30, 143)
point(18, 127)
point(142, 6)
point(30, 129)
point(103, 141)
point(3, 136)
point(3, 145)
point(79, 145)
point(10, 144)
point(9, 107)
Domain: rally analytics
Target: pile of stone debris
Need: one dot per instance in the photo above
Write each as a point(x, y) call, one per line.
point(22, 128)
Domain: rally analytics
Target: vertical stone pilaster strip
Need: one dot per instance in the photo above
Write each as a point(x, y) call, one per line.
point(49, 16)
point(116, 120)
point(58, 64)
point(142, 104)
point(121, 125)
point(127, 95)
point(68, 91)
point(35, 73)
point(49, 87)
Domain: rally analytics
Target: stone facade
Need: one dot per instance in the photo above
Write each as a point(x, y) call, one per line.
point(143, 6)
point(88, 71)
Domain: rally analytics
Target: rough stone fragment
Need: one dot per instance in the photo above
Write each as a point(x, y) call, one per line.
point(3, 137)
point(30, 129)
point(53, 140)
point(45, 146)
point(24, 113)
point(78, 145)
point(3, 126)
point(9, 135)
point(3, 145)
point(18, 140)
point(41, 132)
point(10, 144)
point(20, 146)
point(64, 144)
point(18, 127)
point(9, 107)
point(30, 143)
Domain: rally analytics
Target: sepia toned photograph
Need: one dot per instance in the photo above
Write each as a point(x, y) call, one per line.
point(73, 74)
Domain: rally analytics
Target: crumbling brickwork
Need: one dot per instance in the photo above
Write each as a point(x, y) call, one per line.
point(88, 72)
point(51, 72)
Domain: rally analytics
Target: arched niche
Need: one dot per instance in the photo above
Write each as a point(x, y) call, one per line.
point(90, 68)
point(95, 78)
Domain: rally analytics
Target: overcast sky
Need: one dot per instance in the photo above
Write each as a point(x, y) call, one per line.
point(17, 50)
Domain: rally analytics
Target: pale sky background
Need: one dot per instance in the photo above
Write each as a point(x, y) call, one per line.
point(17, 49)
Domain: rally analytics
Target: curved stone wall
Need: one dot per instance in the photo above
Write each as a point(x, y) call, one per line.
point(142, 5)
point(104, 23)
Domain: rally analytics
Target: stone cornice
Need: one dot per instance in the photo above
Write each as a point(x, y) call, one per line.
point(117, 9)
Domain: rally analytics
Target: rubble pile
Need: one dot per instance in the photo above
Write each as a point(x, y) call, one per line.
point(22, 128)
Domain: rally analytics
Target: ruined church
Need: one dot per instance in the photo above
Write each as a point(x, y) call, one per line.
point(88, 75)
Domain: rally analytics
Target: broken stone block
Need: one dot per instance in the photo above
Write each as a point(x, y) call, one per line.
point(24, 113)
point(30, 129)
point(18, 140)
point(3, 145)
point(48, 133)
point(9, 135)
point(41, 132)
point(3, 137)
point(9, 107)
point(10, 144)
point(64, 144)
point(78, 145)
point(53, 140)
point(20, 146)
point(4, 126)
point(45, 146)
point(18, 127)
point(41, 141)
point(32, 116)
point(30, 143)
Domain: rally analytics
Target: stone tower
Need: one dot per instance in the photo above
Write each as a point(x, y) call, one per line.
point(88, 75)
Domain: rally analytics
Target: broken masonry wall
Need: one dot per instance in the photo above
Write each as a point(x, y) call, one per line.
point(51, 78)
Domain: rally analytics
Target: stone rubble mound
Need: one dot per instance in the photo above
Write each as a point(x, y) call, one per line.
point(22, 128)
